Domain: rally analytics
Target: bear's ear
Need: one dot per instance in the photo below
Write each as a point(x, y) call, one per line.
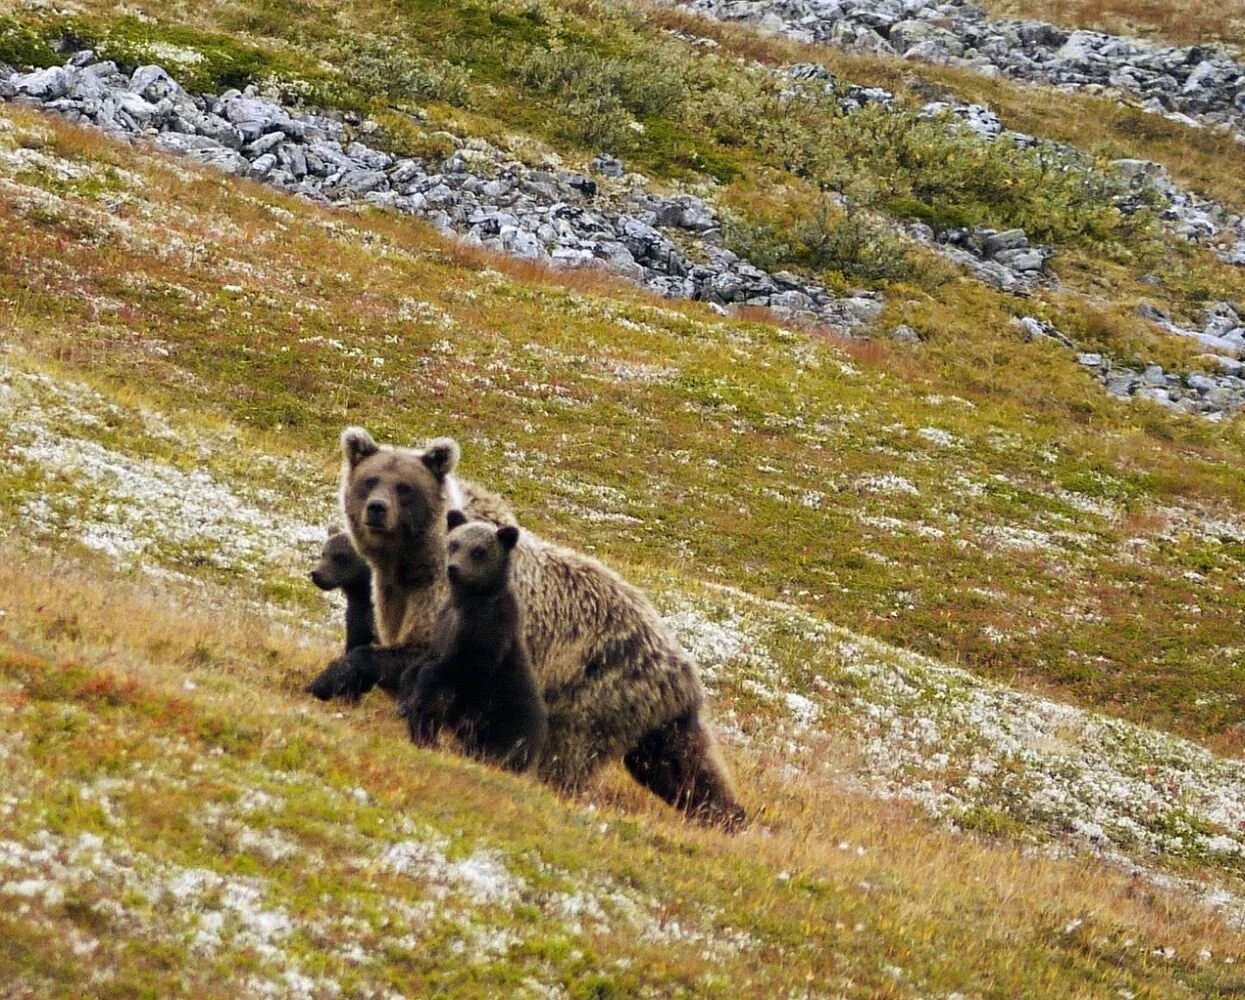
point(357, 444)
point(508, 535)
point(441, 456)
point(335, 530)
point(454, 518)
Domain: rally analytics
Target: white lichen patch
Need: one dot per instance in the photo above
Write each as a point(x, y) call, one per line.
point(961, 747)
point(115, 499)
point(887, 483)
point(481, 877)
point(190, 907)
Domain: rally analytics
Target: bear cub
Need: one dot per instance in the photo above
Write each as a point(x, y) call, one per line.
point(479, 683)
point(342, 568)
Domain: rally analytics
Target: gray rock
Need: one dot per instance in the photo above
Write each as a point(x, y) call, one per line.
point(262, 166)
point(356, 181)
point(1030, 259)
point(264, 144)
point(293, 160)
point(152, 83)
point(1153, 313)
point(1011, 239)
point(791, 302)
point(45, 84)
point(607, 166)
point(905, 35)
point(203, 150)
point(1121, 386)
point(686, 212)
point(862, 309)
point(405, 171)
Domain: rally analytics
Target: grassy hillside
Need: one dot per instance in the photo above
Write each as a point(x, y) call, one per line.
point(1096, 549)
point(1049, 804)
point(1188, 24)
point(177, 820)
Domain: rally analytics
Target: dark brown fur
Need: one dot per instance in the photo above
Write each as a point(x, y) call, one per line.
point(615, 682)
point(480, 683)
point(342, 568)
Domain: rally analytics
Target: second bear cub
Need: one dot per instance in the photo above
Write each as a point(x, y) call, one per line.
point(479, 682)
point(341, 567)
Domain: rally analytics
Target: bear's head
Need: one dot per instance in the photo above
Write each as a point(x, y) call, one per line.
point(340, 565)
point(394, 498)
point(478, 555)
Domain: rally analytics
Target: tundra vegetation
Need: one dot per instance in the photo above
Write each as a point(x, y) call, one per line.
point(972, 628)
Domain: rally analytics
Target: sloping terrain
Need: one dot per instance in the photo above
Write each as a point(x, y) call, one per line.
point(1051, 804)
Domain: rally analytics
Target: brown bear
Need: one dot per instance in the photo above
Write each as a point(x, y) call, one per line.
point(383, 663)
point(480, 683)
point(342, 568)
point(614, 680)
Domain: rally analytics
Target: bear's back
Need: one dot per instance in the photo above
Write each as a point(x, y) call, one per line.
point(574, 607)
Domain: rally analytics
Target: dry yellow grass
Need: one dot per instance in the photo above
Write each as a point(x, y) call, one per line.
point(1191, 23)
point(895, 901)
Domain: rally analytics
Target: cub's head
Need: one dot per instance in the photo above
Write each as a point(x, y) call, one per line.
point(478, 554)
point(393, 497)
point(340, 565)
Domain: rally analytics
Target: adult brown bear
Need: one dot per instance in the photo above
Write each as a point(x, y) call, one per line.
point(614, 679)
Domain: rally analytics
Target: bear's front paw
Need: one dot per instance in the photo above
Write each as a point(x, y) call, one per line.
point(422, 726)
point(348, 677)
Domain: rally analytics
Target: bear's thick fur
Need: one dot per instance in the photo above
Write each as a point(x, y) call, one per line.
point(415, 500)
point(480, 684)
point(342, 568)
point(614, 680)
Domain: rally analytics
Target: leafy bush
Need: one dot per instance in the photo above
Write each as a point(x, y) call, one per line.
point(601, 98)
point(823, 236)
point(22, 46)
point(378, 68)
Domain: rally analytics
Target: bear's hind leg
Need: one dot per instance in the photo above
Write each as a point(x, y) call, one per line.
point(679, 762)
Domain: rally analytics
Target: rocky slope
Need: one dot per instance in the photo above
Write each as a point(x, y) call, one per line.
point(1194, 83)
point(177, 817)
point(668, 243)
point(553, 215)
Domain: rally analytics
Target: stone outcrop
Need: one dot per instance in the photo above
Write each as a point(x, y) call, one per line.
point(668, 243)
point(1195, 84)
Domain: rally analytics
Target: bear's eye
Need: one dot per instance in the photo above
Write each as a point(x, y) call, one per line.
point(367, 486)
point(478, 553)
point(453, 547)
point(405, 492)
point(339, 560)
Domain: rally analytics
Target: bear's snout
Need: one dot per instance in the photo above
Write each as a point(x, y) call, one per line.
point(320, 580)
point(453, 572)
point(375, 513)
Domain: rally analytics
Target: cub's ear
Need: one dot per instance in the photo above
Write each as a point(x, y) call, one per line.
point(508, 535)
point(335, 530)
point(357, 444)
point(454, 518)
point(441, 456)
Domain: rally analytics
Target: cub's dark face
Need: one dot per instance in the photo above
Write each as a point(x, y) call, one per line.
point(340, 565)
point(393, 496)
point(478, 555)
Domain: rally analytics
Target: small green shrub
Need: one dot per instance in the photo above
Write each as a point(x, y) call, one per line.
point(22, 46)
point(376, 67)
point(823, 237)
